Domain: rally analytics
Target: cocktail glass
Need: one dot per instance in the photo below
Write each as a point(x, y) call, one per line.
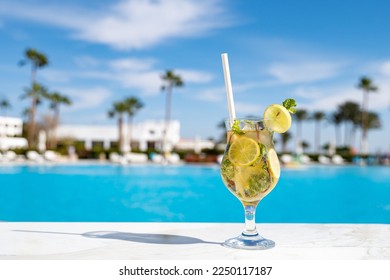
point(250, 170)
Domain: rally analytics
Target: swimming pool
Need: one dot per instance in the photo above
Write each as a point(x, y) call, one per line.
point(112, 193)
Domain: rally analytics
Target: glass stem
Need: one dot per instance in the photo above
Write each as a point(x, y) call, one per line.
point(250, 221)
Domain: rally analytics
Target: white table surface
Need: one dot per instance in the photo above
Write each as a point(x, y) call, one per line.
point(174, 241)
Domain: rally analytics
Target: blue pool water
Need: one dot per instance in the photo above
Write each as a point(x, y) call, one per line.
point(190, 194)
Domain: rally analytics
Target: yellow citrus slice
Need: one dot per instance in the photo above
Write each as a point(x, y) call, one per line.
point(277, 118)
point(274, 164)
point(241, 182)
point(244, 151)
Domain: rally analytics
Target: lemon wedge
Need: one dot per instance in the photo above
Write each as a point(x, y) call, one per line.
point(277, 118)
point(244, 151)
point(274, 164)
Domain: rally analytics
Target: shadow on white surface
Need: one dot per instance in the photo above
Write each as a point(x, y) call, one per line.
point(151, 238)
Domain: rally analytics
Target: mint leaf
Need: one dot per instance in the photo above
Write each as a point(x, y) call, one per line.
point(227, 170)
point(258, 183)
point(236, 128)
point(289, 104)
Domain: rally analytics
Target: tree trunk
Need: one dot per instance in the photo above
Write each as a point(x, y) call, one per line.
point(167, 116)
point(55, 125)
point(318, 136)
point(298, 144)
point(130, 131)
point(346, 134)
point(31, 122)
point(363, 144)
point(353, 136)
point(284, 146)
point(120, 134)
point(337, 135)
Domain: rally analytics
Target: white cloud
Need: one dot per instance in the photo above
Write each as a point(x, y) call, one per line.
point(211, 94)
point(308, 92)
point(139, 74)
point(86, 61)
point(218, 94)
point(87, 98)
point(148, 82)
point(192, 76)
point(329, 97)
point(46, 13)
point(334, 96)
point(66, 76)
point(385, 68)
point(128, 24)
point(56, 75)
point(131, 64)
point(303, 72)
point(245, 109)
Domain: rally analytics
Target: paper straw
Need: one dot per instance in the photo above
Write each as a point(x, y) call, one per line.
point(229, 90)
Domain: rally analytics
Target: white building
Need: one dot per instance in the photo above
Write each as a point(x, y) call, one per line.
point(197, 144)
point(144, 135)
point(10, 129)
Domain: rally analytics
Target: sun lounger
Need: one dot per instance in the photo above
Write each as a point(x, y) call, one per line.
point(9, 156)
point(34, 156)
point(286, 158)
point(337, 159)
point(304, 159)
point(173, 158)
point(114, 157)
point(157, 158)
point(50, 156)
point(136, 158)
point(323, 160)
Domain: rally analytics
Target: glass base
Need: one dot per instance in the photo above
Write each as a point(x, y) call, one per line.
point(249, 242)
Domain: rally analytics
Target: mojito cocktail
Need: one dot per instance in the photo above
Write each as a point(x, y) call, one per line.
point(250, 166)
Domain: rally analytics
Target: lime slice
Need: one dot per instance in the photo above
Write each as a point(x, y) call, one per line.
point(244, 151)
point(274, 164)
point(277, 118)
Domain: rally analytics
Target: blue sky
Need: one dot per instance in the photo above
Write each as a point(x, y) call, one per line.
point(104, 51)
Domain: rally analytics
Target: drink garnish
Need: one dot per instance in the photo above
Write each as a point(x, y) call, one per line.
point(227, 170)
point(289, 104)
point(258, 183)
point(244, 151)
point(274, 164)
point(277, 117)
point(236, 129)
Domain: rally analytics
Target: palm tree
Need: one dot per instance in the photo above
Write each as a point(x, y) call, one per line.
point(37, 60)
point(36, 92)
point(318, 116)
point(351, 116)
point(119, 109)
point(305, 145)
point(56, 99)
point(367, 86)
point(300, 116)
point(133, 106)
point(5, 105)
point(373, 121)
point(336, 118)
point(221, 126)
point(170, 81)
point(285, 137)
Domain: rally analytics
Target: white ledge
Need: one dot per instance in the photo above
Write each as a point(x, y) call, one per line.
point(169, 241)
